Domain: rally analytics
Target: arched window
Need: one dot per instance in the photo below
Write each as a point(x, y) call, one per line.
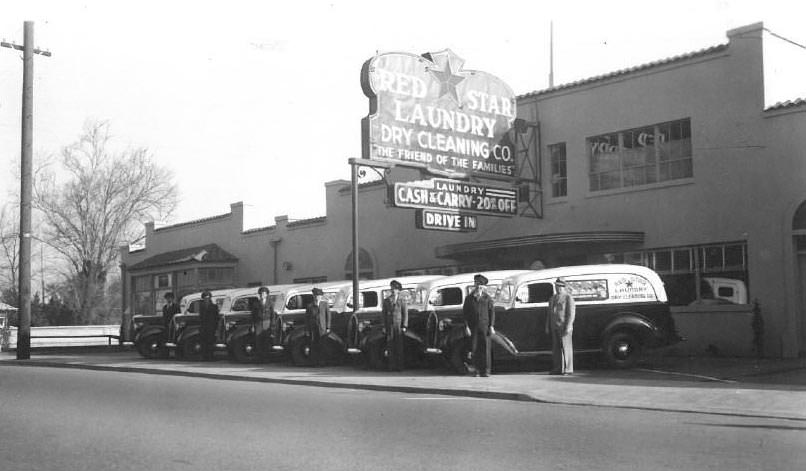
point(366, 269)
point(799, 221)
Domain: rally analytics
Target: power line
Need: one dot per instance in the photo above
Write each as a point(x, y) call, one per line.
point(784, 39)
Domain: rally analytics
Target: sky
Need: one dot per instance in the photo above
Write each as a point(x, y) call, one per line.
point(261, 102)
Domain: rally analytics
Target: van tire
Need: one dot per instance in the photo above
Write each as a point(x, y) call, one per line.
point(622, 349)
point(301, 351)
point(191, 348)
point(243, 349)
point(376, 359)
point(459, 356)
point(151, 346)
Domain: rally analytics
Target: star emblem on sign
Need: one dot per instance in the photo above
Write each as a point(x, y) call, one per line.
point(445, 66)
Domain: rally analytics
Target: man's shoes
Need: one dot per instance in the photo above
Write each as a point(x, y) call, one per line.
point(485, 375)
point(567, 373)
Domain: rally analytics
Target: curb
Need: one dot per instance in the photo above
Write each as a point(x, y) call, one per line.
point(507, 396)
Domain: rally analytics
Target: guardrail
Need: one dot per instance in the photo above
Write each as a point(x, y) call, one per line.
point(109, 337)
point(66, 336)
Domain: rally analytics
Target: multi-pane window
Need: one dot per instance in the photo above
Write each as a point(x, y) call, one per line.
point(559, 171)
point(682, 267)
point(215, 276)
point(640, 156)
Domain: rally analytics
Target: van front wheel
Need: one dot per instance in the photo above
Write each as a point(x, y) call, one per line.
point(622, 349)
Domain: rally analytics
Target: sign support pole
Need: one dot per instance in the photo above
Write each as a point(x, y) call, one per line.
point(354, 192)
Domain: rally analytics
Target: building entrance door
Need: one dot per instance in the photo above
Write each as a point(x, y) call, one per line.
point(802, 301)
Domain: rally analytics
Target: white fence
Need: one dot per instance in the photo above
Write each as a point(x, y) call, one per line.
point(67, 336)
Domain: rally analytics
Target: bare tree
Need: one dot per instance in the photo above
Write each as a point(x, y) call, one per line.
point(93, 200)
point(9, 253)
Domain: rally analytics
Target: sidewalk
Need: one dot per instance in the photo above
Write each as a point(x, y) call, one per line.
point(728, 386)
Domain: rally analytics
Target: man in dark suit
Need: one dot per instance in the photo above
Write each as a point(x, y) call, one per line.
point(317, 316)
point(208, 316)
point(264, 320)
point(169, 310)
point(479, 314)
point(395, 322)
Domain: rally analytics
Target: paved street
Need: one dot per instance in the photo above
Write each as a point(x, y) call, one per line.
point(75, 419)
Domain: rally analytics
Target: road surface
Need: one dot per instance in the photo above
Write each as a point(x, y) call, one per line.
point(66, 419)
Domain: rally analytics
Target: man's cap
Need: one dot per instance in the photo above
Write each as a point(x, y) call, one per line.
point(168, 295)
point(263, 289)
point(207, 294)
point(317, 292)
point(480, 279)
point(394, 284)
point(559, 282)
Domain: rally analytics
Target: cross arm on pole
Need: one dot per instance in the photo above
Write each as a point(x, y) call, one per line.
point(20, 47)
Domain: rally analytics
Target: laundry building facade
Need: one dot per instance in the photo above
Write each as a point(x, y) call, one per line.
point(681, 165)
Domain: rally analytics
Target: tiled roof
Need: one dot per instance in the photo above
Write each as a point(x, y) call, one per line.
point(782, 105)
point(196, 221)
point(305, 222)
point(631, 70)
point(204, 254)
point(258, 229)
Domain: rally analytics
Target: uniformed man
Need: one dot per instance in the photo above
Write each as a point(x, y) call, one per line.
point(169, 310)
point(264, 322)
point(208, 316)
point(396, 322)
point(560, 325)
point(317, 316)
point(479, 314)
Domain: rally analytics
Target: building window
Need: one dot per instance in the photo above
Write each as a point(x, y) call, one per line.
point(162, 281)
point(559, 171)
point(310, 280)
point(641, 156)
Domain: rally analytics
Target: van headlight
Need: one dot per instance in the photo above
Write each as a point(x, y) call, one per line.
point(444, 324)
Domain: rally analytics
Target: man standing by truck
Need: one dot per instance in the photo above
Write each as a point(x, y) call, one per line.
point(317, 323)
point(264, 319)
point(479, 314)
point(208, 315)
point(395, 321)
point(169, 310)
point(560, 325)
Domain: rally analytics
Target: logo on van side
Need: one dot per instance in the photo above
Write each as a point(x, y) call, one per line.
point(633, 288)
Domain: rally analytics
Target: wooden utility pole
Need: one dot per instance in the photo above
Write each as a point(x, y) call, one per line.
point(26, 185)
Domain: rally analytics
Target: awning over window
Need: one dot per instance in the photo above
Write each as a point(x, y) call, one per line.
point(535, 240)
